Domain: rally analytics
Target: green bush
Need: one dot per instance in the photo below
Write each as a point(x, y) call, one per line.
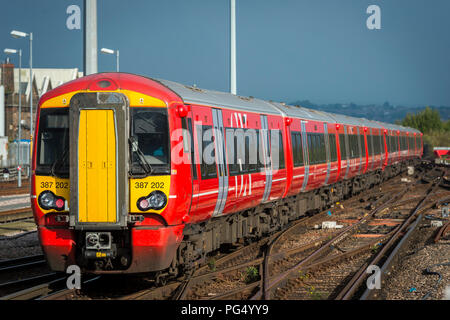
point(436, 133)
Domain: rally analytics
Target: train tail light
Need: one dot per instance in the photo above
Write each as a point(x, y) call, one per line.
point(59, 203)
point(143, 204)
point(48, 200)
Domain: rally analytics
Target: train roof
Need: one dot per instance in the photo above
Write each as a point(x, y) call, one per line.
point(199, 96)
point(303, 113)
point(192, 94)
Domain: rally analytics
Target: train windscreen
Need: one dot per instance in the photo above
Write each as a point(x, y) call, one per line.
point(53, 142)
point(149, 136)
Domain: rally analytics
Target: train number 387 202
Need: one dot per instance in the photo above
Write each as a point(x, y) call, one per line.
point(59, 185)
point(153, 185)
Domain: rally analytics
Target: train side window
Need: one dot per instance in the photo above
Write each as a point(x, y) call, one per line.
point(297, 153)
point(376, 145)
point(363, 145)
point(208, 171)
point(191, 147)
point(273, 134)
point(251, 151)
point(310, 149)
point(323, 151)
point(300, 161)
point(260, 162)
point(342, 146)
point(332, 141)
point(352, 146)
point(313, 149)
point(372, 151)
point(315, 137)
point(294, 146)
point(356, 146)
point(232, 151)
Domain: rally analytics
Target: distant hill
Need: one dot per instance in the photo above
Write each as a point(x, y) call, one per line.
point(384, 113)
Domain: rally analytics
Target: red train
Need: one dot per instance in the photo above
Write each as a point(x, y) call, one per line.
point(132, 174)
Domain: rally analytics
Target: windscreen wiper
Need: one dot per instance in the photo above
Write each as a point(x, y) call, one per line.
point(60, 160)
point(142, 161)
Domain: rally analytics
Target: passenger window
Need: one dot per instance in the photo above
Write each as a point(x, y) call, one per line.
point(208, 170)
point(342, 146)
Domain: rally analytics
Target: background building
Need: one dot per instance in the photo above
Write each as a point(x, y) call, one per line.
point(44, 79)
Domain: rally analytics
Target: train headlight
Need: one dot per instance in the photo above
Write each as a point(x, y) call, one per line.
point(155, 200)
point(47, 200)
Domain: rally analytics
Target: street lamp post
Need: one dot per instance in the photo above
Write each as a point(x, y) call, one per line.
point(19, 135)
point(109, 51)
point(233, 46)
point(20, 34)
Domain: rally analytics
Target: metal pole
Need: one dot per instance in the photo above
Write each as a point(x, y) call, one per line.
point(90, 37)
point(233, 46)
point(31, 97)
point(117, 60)
point(19, 135)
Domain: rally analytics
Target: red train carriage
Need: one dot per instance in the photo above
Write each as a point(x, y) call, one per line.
point(132, 174)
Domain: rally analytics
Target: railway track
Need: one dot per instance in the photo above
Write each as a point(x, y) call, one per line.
point(242, 257)
point(10, 187)
point(300, 262)
point(15, 215)
point(21, 273)
point(276, 269)
point(21, 263)
point(229, 269)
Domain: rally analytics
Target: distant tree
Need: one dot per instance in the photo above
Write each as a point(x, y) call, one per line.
point(446, 126)
point(426, 121)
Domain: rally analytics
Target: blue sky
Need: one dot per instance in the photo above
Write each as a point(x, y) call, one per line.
point(287, 50)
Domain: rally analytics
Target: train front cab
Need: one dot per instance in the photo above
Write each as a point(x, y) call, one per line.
point(100, 196)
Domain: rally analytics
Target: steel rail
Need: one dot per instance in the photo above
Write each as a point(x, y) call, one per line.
point(21, 263)
point(270, 284)
point(357, 280)
point(197, 277)
point(15, 214)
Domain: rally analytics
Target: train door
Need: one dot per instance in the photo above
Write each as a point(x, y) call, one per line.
point(219, 141)
point(207, 191)
point(371, 151)
point(267, 160)
point(98, 143)
point(327, 151)
point(188, 138)
point(385, 148)
point(347, 151)
point(359, 164)
point(365, 150)
point(96, 166)
point(305, 155)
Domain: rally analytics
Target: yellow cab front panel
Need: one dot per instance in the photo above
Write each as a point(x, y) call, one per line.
point(97, 181)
